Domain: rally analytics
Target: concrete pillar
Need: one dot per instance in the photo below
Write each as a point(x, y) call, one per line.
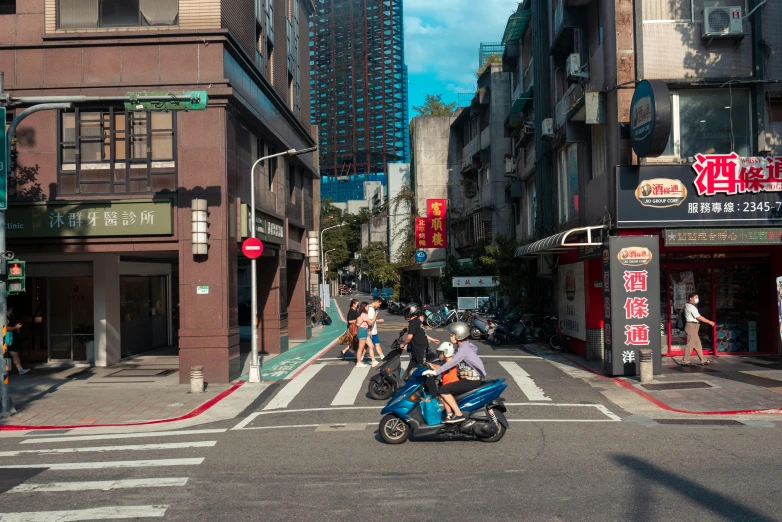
point(269, 304)
point(108, 344)
point(297, 301)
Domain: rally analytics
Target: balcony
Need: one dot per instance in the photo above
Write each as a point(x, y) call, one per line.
point(94, 14)
point(529, 76)
point(470, 150)
point(568, 16)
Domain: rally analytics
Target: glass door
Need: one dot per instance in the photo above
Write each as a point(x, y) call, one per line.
point(71, 318)
point(143, 313)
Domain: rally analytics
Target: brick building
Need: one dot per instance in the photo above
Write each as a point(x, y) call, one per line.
point(102, 199)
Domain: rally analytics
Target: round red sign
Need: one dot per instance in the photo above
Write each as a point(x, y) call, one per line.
point(252, 247)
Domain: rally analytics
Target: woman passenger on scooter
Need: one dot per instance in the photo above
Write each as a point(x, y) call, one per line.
point(471, 371)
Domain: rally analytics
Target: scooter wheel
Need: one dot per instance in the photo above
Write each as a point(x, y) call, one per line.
point(394, 430)
point(380, 391)
point(475, 333)
point(496, 437)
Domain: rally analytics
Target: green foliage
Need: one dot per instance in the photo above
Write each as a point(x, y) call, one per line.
point(374, 261)
point(434, 106)
point(345, 240)
point(494, 58)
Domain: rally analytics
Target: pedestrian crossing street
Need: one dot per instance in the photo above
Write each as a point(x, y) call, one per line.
point(75, 472)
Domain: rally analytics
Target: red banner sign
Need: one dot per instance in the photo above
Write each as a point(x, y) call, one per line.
point(431, 231)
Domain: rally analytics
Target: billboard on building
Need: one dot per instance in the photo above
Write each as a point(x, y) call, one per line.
point(431, 231)
point(572, 300)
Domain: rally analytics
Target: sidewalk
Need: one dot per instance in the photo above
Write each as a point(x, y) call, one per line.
point(285, 365)
point(730, 385)
point(140, 389)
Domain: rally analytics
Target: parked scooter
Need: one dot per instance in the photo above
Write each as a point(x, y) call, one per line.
point(389, 374)
point(479, 327)
point(483, 408)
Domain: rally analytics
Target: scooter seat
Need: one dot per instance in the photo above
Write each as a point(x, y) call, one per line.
point(465, 394)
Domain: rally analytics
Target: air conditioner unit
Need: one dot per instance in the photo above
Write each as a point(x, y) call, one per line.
point(573, 68)
point(547, 128)
point(722, 22)
point(510, 170)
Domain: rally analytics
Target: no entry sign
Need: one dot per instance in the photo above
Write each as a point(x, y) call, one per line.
point(252, 247)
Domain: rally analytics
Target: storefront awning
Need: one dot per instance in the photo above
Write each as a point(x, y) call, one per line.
point(517, 24)
point(564, 240)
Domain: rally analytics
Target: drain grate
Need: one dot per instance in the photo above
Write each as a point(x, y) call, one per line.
point(142, 372)
point(677, 385)
point(700, 422)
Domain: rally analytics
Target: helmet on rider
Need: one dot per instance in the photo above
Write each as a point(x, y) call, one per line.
point(446, 349)
point(459, 330)
point(411, 311)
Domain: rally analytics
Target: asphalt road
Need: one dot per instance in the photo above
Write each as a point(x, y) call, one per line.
point(312, 453)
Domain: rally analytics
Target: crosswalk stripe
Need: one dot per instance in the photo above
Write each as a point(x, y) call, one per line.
point(98, 449)
point(100, 485)
point(109, 464)
point(289, 392)
point(525, 382)
point(103, 513)
point(108, 436)
point(346, 396)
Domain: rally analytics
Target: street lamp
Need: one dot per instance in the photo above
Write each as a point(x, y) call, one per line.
point(255, 365)
point(325, 265)
point(321, 246)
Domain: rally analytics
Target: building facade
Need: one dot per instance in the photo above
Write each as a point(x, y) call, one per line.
point(108, 206)
point(359, 92)
point(582, 181)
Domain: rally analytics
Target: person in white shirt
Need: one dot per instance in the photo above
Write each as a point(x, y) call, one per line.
point(374, 309)
point(692, 320)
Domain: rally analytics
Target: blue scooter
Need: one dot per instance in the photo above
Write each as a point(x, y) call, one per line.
point(483, 409)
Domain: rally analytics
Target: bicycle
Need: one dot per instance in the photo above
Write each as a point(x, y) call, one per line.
point(432, 319)
point(558, 341)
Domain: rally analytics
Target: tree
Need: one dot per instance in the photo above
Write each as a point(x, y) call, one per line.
point(434, 106)
point(341, 242)
point(374, 260)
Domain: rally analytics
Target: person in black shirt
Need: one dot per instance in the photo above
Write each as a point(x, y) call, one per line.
point(352, 316)
point(416, 338)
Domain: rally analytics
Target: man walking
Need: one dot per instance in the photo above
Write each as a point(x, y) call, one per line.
point(416, 338)
point(692, 319)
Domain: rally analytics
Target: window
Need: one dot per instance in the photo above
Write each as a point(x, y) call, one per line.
point(599, 165)
point(7, 7)
point(92, 14)
point(110, 150)
point(775, 110)
point(709, 121)
point(567, 176)
point(531, 204)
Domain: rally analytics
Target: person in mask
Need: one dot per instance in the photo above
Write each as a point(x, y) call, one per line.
point(692, 319)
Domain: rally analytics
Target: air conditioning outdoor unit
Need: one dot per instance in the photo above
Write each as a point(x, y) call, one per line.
point(510, 170)
point(573, 68)
point(547, 128)
point(723, 22)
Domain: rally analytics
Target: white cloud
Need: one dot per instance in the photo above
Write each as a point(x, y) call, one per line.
point(442, 37)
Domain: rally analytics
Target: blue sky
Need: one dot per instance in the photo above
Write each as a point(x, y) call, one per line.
point(441, 43)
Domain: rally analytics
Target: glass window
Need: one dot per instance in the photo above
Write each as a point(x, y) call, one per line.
point(162, 136)
point(567, 172)
point(714, 121)
point(91, 14)
point(119, 13)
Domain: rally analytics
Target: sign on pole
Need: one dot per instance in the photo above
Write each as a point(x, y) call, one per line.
point(252, 248)
point(3, 163)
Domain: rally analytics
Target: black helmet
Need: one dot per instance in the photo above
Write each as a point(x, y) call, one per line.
point(411, 310)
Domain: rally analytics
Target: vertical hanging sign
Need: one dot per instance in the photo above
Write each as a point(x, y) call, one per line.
point(436, 215)
point(631, 303)
point(4, 157)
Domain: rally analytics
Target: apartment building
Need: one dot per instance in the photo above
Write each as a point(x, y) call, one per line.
point(108, 206)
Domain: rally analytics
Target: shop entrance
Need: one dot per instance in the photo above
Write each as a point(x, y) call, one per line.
point(734, 291)
point(143, 313)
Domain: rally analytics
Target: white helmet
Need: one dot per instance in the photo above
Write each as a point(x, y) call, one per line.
point(446, 348)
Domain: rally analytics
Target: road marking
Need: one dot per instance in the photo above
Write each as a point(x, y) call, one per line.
point(103, 513)
point(289, 392)
point(608, 413)
point(100, 485)
point(138, 447)
point(525, 382)
point(253, 416)
point(561, 420)
point(346, 396)
point(109, 436)
point(110, 464)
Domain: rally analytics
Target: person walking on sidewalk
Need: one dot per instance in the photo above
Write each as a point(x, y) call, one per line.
point(352, 328)
point(13, 326)
point(692, 319)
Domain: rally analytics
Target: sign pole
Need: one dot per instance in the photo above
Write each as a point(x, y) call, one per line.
point(5, 399)
point(255, 365)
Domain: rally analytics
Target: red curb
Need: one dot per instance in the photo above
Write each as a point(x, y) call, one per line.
point(664, 406)
point(196, 412)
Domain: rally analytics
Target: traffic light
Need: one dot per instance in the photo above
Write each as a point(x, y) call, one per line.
point(17, 277)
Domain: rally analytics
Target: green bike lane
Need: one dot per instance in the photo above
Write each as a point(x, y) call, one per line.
point(286, 365)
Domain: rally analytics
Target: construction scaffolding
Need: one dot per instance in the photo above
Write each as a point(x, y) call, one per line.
point(359, 92)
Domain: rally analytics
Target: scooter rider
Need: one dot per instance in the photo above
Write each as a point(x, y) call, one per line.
point(471, 371)
point(416, 338)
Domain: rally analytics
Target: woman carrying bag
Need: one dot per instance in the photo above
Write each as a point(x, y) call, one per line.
point(349, 338)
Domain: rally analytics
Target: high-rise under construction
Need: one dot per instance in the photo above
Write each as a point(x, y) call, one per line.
point(359, 93)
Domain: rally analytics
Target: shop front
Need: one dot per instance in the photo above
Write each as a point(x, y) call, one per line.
point(719, 226)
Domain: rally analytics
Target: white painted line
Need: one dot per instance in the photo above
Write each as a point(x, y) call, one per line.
point(100, 485)
point(561, 420)
point(109, 436)
point(528, 387)
point(282, 427)
point(346, 396)
point(104, 513)
point(289, 392)
point(250, 247)
point(242, 425)
point(110, 464)
point(99, 449)
point(608, 413)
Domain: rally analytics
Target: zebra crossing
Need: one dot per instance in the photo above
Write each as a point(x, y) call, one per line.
point(64, 469)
